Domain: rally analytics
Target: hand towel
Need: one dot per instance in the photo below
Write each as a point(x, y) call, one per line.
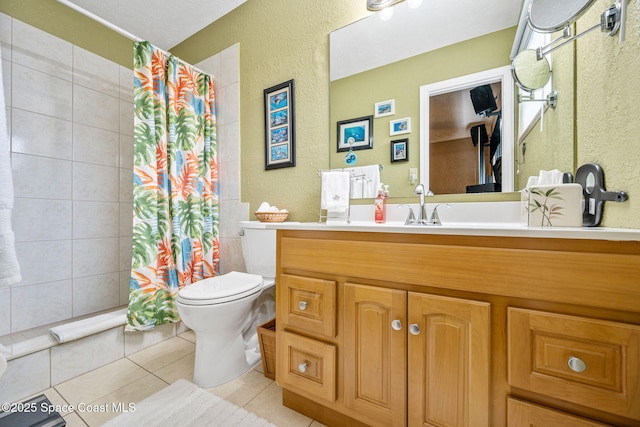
point(334, 196)
point(92, 325)
point(365, 181)
point(9, 268)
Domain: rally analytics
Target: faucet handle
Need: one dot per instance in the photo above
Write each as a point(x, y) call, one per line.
point(435, 218)
point(411, 218)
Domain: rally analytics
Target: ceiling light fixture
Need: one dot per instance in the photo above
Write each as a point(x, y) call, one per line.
point(376, 5)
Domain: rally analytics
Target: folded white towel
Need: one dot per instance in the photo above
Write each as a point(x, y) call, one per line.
point(92, 325)
point(9, 268)
point(335, 191)
point(365, 181)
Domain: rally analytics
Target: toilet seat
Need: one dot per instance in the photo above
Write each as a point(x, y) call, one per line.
point(220, 289)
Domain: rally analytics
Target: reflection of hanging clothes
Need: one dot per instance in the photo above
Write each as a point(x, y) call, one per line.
point(496, 138)
point(495, 150)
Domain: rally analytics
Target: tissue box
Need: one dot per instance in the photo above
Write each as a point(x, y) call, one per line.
point(556, 205)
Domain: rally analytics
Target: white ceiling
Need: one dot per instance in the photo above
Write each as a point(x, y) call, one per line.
point(165, 23)
point(373, 42)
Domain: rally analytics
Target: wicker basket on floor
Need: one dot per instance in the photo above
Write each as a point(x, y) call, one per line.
point(267, 339)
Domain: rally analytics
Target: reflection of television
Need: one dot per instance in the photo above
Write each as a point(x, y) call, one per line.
point(483, 100)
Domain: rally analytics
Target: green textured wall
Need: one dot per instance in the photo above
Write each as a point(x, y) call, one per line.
point(608, 110)
point(355, 96)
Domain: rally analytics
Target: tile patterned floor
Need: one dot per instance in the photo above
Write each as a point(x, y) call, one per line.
point(141, 374)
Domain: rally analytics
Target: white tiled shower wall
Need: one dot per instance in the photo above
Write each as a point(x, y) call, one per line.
point(70, 117)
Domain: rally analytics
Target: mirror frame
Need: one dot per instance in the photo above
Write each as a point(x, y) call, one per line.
point(501, 74)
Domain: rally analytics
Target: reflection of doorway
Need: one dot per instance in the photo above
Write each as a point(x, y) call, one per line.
point(454, 153)
point(449, 159)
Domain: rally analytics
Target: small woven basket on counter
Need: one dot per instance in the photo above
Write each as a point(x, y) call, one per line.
point(271, 216)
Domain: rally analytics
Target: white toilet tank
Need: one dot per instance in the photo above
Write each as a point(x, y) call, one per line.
point(258, 248)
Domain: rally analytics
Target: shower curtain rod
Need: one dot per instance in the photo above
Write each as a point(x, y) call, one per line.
point(119, 30)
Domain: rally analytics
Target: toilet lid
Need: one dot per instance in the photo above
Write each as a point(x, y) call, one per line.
point(219, 289)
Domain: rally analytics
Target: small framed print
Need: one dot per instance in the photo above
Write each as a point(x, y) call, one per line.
point(385, 108)
point(400, 150)
point(279, 119)
point(400, 126)
point(355, 134)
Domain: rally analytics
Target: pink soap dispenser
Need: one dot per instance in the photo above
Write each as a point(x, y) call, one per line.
point(380, 207)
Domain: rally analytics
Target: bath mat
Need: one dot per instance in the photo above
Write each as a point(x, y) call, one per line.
point(185, 404)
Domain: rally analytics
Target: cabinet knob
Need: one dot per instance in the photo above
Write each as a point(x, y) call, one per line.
point(302, 305)
point(396, 325)
point(303, 367)
point(576, 364)
point(414, 329)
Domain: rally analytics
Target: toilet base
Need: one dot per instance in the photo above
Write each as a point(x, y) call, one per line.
point(226, 355)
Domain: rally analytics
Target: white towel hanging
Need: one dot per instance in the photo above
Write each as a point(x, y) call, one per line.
point(335, 191)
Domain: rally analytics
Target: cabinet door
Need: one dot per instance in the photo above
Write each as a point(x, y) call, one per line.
point(375, 354)
point(448, 346)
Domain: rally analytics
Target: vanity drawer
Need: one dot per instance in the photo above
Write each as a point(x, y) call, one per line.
point(309, 304)
point(589, 362)
point(524, 414)
point(307, 365)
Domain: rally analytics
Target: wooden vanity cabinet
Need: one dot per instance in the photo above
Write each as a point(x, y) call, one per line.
point(415, 357)
point(385, 329)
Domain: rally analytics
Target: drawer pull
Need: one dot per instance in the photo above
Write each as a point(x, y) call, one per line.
point(303, 367)
point(576, 365)
point(302, 305)
point(396, 325)
point(414, 329)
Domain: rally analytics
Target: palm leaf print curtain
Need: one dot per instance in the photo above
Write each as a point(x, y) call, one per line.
point(175, 201)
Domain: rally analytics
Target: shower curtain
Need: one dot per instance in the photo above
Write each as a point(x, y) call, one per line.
point(175, 178)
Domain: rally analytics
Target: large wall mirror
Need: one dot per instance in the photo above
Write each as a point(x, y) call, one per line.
point(374, 60)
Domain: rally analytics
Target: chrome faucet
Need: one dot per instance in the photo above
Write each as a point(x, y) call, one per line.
point(434, 219)
point(411, 218)
point(422, 213)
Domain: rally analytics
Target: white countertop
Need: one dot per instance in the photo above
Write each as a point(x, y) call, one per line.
point(496, 219)
point(461, 229)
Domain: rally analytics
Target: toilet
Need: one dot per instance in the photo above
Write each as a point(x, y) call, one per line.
point(218, 309)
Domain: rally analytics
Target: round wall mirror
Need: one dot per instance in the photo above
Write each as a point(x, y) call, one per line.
point(553, 15)
point(529, 72)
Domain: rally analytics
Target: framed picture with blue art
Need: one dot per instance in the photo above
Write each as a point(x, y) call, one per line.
point(279, 122)
point(385, 108)
point(400, 126)
point(355, 134)
point(400, 150)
